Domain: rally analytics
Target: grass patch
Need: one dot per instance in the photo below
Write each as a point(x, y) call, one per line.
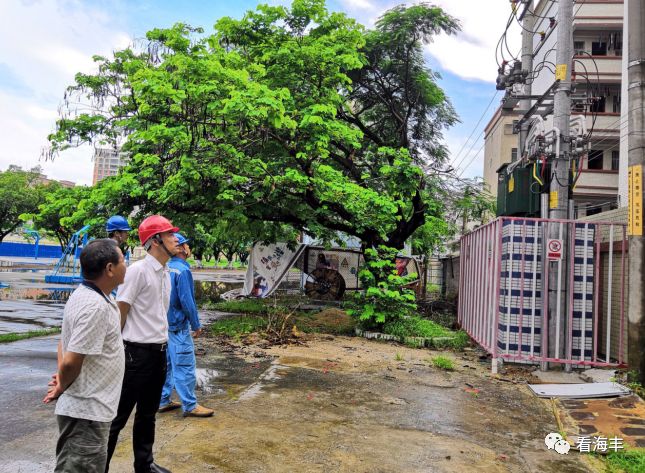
point(626, 461)
point(419, 327)
point(443, 363)
point(416, 327)
point(398, 357)
point(243, 306)
point(238, 325)
point(14, 337)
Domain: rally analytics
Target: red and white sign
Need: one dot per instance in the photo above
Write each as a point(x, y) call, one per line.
point(554, 250)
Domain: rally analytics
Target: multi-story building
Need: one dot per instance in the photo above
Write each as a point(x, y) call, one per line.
point(596, 72)
point(107, 162)
point(43, 179)
point(500, 145)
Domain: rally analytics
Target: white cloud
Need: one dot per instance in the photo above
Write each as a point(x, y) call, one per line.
point(471, 53)
point(353, 5)
point(57, 40)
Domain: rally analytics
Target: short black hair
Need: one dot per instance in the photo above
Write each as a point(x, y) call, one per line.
point(96, 255)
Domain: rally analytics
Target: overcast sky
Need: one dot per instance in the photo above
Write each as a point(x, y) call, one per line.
point(43, 43)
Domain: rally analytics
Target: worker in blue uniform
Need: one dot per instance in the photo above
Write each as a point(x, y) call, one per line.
point(117, 228)
point(182, 317)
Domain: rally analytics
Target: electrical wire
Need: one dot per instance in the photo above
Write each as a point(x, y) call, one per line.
point(473, 130)
point(472, 159)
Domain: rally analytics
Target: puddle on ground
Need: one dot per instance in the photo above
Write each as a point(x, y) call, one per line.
point(28, 303)
point(207, 381)
point(206, 291)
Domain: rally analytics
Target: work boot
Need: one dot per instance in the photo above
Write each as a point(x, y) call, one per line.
point(172, 405)
point(199, 411)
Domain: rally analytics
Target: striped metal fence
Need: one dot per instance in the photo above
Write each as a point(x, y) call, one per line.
point(509, 270)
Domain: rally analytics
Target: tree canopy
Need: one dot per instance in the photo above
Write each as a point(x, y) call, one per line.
point(20, 193)
point(296, 116)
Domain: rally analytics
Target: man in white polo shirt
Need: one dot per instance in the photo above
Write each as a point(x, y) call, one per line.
point(143, 300)
point(90, 363)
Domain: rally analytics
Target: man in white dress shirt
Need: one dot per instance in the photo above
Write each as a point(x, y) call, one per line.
point(143, 301)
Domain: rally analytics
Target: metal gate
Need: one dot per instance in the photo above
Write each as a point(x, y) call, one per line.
point(506, 268)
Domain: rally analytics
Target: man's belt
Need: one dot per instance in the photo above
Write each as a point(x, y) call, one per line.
point(147, 346)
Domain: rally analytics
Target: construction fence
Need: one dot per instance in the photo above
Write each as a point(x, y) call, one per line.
point(511, 268)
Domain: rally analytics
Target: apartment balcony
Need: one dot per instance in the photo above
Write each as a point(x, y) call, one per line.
point(597, 182)
point(597, 16)
point(609, 68)
point(607, 125)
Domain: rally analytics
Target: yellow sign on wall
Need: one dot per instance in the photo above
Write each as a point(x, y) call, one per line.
point(561, 72)
point(553, 199)
point(635, 194)
point(511, 184)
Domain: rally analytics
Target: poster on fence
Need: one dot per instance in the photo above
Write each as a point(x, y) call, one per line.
point(268, 264)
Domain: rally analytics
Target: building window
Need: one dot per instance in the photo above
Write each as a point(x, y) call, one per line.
point(579, 47)
point(594, 160)
point(616, 104)
point(513, 154)
point(615, 160)
point(594, 210)
point(598, 105)
point(598, 49)
point(616, 43)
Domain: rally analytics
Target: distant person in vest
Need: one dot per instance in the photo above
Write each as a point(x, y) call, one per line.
point(182, 317)
point(143, 300)
point(118, 228)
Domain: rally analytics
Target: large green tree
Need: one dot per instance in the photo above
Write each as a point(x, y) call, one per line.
point(55, 215)
point(292, 115)
point(20, 193)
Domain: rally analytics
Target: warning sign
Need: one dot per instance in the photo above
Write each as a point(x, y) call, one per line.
point(554, 250)
point(635, 215)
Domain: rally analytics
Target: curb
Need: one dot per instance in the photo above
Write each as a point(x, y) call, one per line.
point(417, 342)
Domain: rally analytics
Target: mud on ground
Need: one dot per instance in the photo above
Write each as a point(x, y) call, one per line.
point(344, 404)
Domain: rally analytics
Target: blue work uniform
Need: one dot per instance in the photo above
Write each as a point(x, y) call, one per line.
point(182, 317)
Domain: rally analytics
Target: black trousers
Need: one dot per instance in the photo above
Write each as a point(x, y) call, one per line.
point(145, 374)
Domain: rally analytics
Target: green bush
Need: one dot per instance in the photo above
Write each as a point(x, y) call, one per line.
point(385, 297)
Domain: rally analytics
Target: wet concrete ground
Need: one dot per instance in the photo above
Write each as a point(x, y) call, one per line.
point(347, 405)
point(337, 404)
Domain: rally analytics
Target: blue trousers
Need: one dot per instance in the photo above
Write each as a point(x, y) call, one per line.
point(181, 370)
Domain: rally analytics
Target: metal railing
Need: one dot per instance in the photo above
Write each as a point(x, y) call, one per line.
point(504, 291)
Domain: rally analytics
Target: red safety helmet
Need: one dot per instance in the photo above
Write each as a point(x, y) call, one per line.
point(154, 225)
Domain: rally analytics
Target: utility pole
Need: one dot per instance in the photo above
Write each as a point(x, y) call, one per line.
point(636, 157)
point(559, 187)
point(528, 23)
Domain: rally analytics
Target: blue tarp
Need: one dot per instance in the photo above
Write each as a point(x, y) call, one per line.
point(28, 250)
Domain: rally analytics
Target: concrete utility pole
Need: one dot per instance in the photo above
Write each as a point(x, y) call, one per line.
point(559, 190)
point(636, 156)
point(528, 23)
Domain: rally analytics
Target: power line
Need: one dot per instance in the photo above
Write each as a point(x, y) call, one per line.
point(472, 159)
point(456, 166)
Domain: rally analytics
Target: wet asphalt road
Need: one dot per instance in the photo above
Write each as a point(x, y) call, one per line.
point(25, 368)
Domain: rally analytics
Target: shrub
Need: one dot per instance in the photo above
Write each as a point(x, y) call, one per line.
point(385, 297)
